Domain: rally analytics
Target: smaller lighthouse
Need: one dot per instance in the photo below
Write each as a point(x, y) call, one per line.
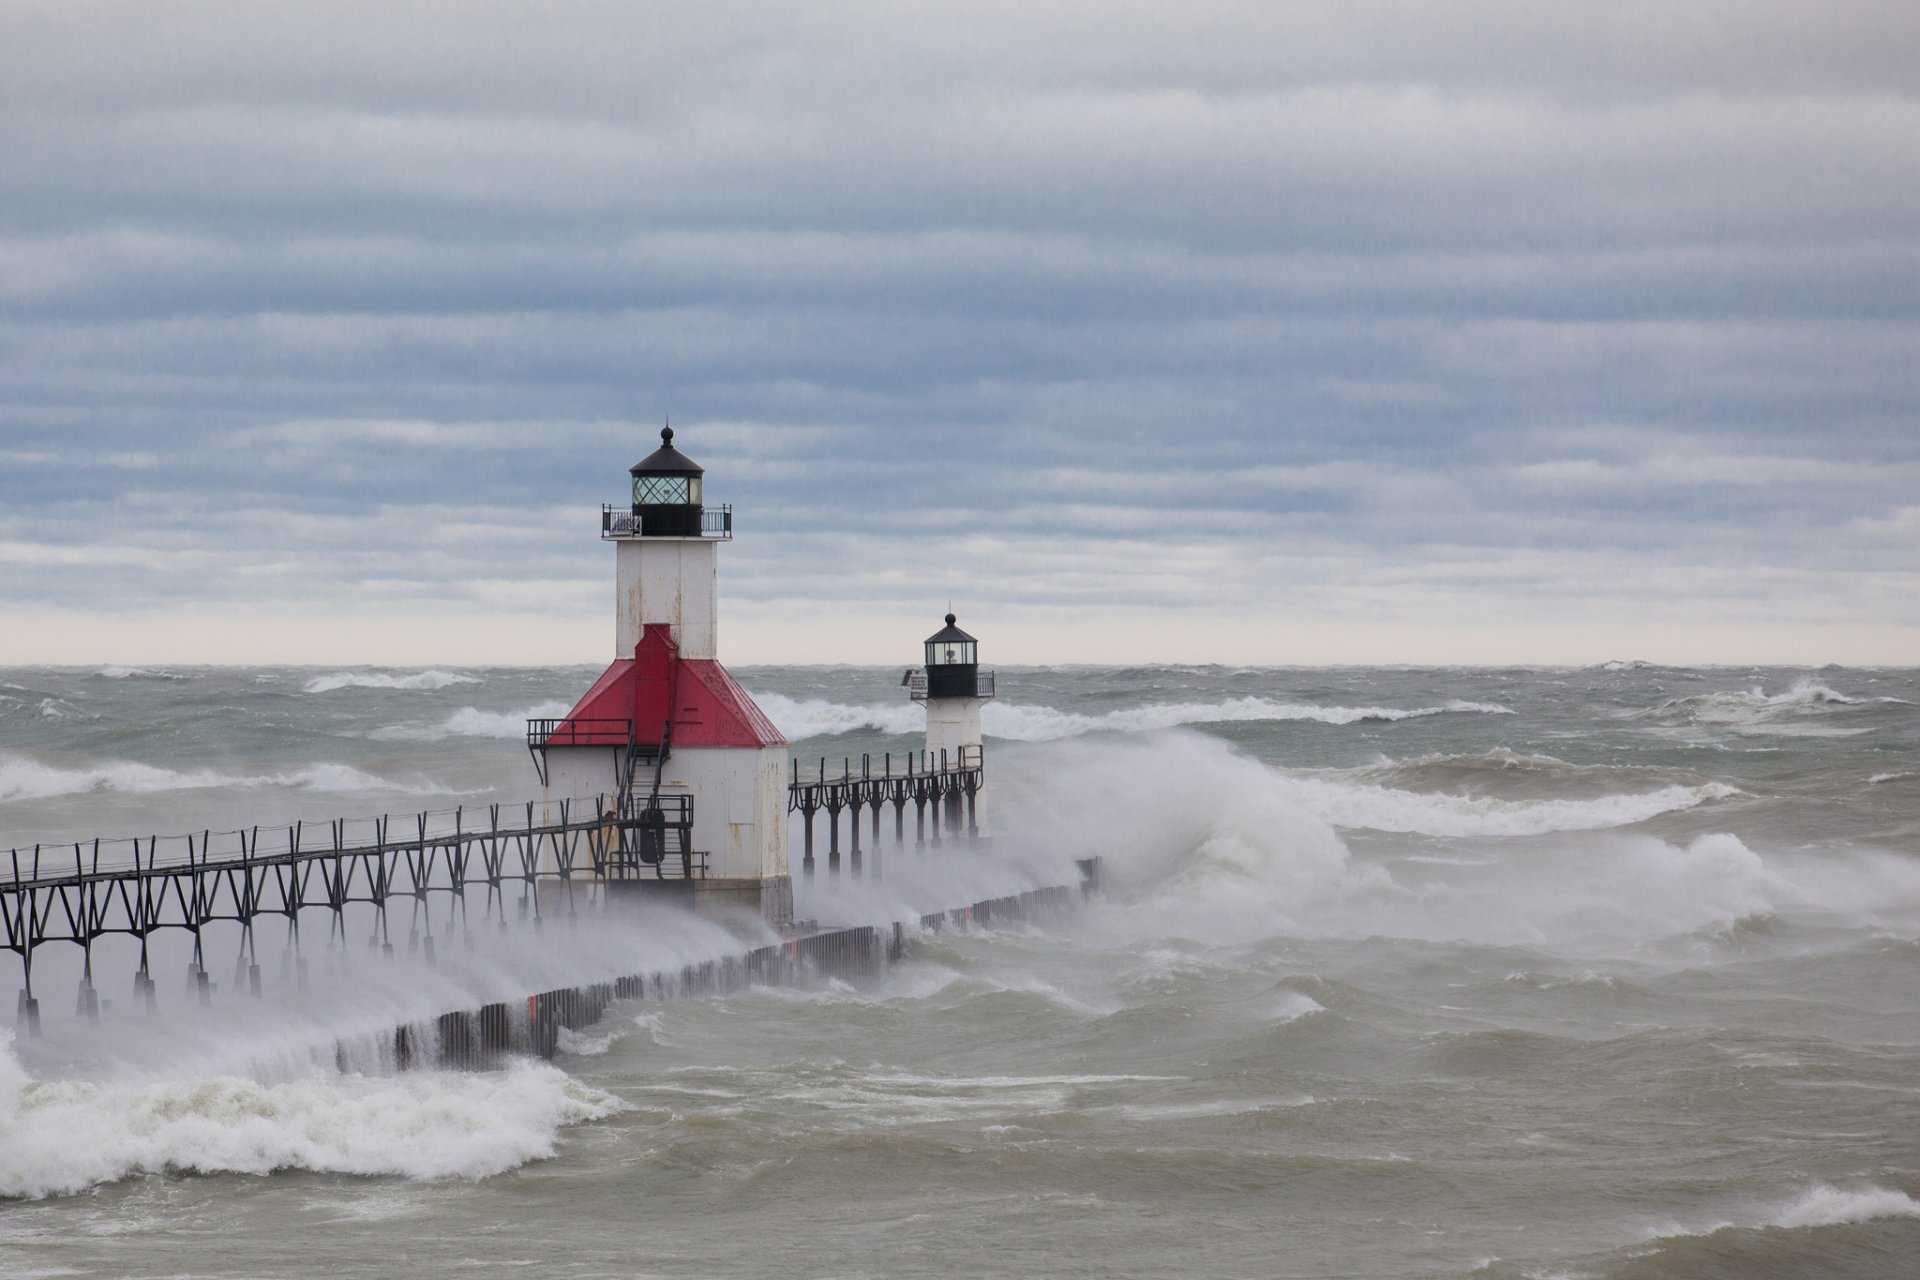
point(954, 690)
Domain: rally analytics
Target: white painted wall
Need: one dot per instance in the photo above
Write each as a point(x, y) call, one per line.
point(740, 806)
point(953, 723)
point(579, 773)
point(667, 580)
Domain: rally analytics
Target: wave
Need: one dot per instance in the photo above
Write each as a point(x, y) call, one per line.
point(137, 673)
point(473, 722)
point(817, 718)
point(381, 680)
point(23, 778)
point(810, 718)
point(1902, 776)
point(1755, 710)
point(1376, 808)
point(1505, 771)
point(63, 1137)
point(1826, 1206)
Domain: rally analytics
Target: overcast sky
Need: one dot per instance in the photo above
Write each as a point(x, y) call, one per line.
point(1249, 332)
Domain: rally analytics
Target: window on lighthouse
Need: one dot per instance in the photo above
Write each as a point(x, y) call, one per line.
point(956, 653)
point(660, 491)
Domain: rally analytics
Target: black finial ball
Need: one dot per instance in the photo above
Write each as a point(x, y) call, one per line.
point(951, 619)
point(666, 436)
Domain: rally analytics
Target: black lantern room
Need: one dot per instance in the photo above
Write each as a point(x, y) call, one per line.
point(666, 492)
point(953, 663)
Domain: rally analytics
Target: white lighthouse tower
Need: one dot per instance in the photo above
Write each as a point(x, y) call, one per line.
point(954, 690)
point(694, 771)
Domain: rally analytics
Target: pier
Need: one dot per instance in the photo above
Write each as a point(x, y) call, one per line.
point(434, 880)
point(949, 782)
point(372, 874)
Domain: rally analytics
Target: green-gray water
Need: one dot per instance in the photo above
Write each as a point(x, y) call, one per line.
point(1397, 973)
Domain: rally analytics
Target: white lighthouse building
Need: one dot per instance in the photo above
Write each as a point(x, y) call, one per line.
point(695, 772)
point(954, 690)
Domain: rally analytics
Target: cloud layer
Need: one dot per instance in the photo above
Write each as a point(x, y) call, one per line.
point(1252, 331)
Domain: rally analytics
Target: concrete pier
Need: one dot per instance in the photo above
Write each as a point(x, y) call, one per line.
point(482, 1038)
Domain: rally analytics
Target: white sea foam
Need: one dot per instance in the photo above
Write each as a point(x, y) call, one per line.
point(585, 1044)
point(817, 718)
point(137, 673)
point(1187, 825)
point(1293, 1006)
point(1202, 843)
point(1376, 808)
point(1827, 1206)
point(23, 778)
point(471, 722)
point(62, 1137)
point(382, 680)
point(809, 718)
point(1799, 712)
point(1898, 776)
point(1820, 1206)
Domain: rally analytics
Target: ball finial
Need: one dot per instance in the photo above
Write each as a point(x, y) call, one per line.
point(951, 619)
point(666, 436)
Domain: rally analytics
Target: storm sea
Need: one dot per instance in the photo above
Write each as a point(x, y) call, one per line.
point(1610, 972)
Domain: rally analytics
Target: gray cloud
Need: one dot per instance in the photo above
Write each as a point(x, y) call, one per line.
point(1387, 315)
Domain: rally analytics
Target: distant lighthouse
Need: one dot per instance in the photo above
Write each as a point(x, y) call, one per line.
point(954, 690)
point(695, 772)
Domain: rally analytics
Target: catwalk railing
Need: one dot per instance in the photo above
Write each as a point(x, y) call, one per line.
point(544, 855)
point(716, 523)
point(949, 783)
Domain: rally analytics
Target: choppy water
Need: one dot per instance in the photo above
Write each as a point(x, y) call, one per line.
point(1399, 973)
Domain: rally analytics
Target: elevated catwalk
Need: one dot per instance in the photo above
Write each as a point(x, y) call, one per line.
point(432, 878)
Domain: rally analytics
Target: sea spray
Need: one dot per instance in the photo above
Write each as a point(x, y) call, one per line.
point(63, 1136)
point(1017, 722)
point(25, 778)
point(423, 680)
point(1352, 806)
point(1187, 829)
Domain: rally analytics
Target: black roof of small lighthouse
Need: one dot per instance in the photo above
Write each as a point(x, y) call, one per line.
point(950, 634)
point(666, 460)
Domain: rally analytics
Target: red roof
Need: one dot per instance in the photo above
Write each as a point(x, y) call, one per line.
point(708, 708)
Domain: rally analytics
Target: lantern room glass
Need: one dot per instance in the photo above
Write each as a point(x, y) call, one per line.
point(662, 491)
point(952, 653)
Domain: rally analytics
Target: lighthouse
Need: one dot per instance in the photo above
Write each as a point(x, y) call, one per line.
point(954, 690)
point(692, 771)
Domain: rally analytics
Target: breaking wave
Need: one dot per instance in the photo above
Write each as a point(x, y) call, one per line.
point(817, 718)
point(58, 1138)
point(23, 778)
point(137, 673)
point(1516, 775)
point(381, 680)
point(1826, 1206)
point(810, 718)
point(473, 722)
point(1367, 806)
point(1796, 712)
